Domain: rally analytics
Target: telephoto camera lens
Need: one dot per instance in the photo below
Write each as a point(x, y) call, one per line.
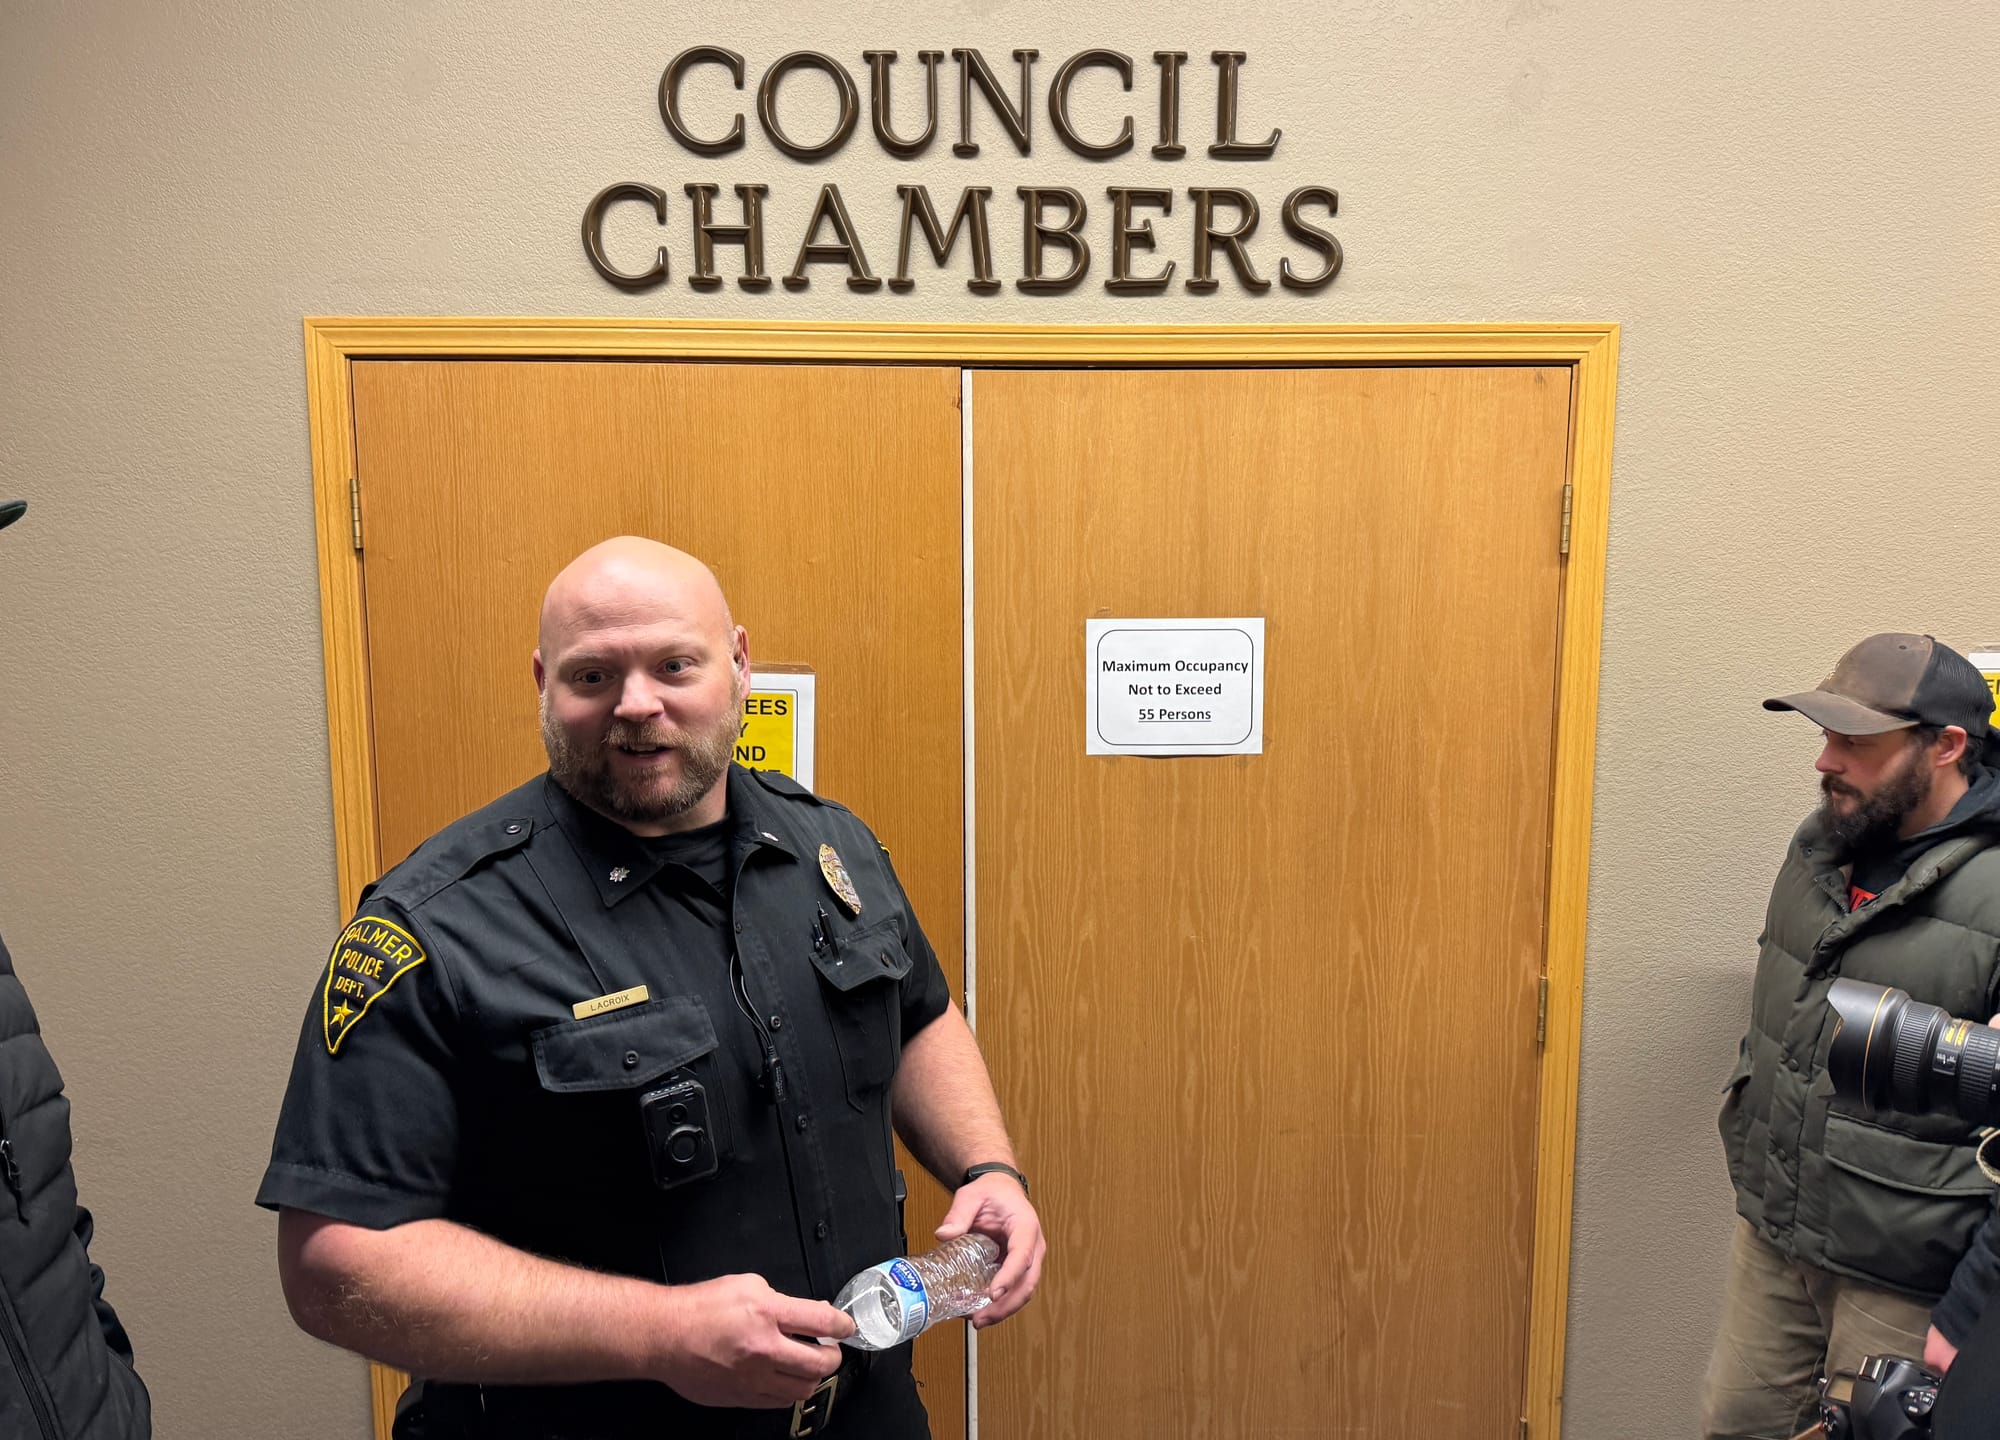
point(1895, 1053)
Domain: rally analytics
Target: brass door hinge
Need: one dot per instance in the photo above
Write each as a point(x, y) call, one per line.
point(354, 507)
point(1541, 1038)
point(1569, 499)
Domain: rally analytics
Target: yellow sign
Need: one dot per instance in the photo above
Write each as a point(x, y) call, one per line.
point(777, 728)
point(768, 739)
point(1988, 662)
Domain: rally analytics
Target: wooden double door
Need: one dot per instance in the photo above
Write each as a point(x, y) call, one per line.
point(1263, 1026)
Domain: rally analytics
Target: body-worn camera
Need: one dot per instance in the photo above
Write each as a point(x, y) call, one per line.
point(679, 1138)
point(1888, 1398)
point(1895, 1053)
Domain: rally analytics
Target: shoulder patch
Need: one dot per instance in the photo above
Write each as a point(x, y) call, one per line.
point(371, 955)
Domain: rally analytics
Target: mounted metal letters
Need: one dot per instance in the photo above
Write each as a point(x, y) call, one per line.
point(1217, 219)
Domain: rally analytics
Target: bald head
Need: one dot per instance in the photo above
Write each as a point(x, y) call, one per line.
point(630, 580)
point(642, 675)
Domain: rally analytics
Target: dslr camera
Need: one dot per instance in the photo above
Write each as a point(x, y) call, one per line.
point(1891, 1052)
point(1888, 1398)
point(1894, 1053)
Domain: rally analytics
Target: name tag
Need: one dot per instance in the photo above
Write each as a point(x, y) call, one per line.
point(584, 1008)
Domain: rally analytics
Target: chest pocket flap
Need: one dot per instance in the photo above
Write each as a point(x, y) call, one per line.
point(863, 1001)
point(1902, 1162)
point(624, 1049)
point(873, 954)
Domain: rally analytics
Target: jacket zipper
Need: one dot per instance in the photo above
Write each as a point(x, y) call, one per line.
point(17, 1347)
point(10, 1170)
point(10, 1324)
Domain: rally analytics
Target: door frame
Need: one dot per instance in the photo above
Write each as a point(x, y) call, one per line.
point(1588, 351)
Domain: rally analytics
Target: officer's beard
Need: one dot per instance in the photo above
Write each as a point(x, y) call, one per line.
point(1876, 821)
point(586, 773)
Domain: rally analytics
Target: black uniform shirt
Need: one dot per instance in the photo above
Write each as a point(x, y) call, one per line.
point(442, 1072)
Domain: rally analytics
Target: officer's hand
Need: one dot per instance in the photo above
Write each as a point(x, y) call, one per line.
point(1938, 1351)
point(995, 1205)
point(730, 1342)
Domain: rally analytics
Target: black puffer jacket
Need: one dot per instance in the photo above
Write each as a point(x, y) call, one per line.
point(67, 1373)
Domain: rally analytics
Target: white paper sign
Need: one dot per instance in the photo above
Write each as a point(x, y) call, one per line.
point(1175, 687)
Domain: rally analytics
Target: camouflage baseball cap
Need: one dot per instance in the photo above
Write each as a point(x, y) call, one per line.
point(1895, 682)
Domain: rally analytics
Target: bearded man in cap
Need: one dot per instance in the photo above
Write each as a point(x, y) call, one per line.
point(1863, 1233)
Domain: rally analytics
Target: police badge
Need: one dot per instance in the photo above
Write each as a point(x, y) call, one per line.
point(837, 879)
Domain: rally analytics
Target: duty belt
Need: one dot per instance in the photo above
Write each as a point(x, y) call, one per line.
point(814, 1413)
point(618, 1410)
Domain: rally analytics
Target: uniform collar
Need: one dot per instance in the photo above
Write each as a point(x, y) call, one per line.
point(619, 864)
point(755, 824)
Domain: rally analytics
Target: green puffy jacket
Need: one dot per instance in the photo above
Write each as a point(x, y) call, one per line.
point(1896, 1200)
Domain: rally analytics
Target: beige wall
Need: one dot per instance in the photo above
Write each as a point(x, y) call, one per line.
point(1791, 207)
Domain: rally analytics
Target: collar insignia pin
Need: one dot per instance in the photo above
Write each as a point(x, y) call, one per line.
point(619, 874)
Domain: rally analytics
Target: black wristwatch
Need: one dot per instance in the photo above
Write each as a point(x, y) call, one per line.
point(994, 1167)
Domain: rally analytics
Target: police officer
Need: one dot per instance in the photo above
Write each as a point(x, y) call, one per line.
point(591, 1111)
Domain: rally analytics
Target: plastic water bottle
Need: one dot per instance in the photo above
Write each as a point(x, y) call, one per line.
point(900, 1299)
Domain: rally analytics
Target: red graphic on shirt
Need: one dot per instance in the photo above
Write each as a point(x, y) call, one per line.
point(1857, 897)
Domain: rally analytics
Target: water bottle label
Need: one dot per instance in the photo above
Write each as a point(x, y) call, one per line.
point(910, 1292)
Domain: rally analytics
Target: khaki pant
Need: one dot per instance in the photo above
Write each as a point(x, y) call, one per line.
point(1783, 1325)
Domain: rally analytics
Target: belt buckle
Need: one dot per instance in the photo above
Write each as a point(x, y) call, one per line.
point(811, 1414)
